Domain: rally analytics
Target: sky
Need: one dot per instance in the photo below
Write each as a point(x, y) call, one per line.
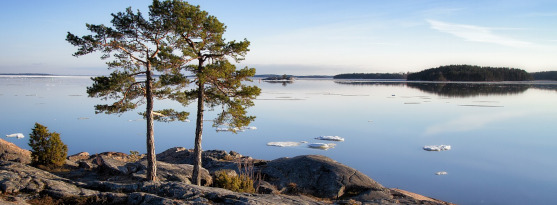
point(309, 37)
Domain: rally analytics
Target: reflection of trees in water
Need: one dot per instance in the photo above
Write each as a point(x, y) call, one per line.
point(283, 82)
point(373, 83)
point(460, 89)
point(469, 90)
point(545, 86)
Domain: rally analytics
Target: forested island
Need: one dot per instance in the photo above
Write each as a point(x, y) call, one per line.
point(545, 75)
point(381, 76)
point(470, 73)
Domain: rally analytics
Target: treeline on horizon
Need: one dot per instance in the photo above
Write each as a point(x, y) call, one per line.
point(458, 73)
point(470, 73)
point(370, 76)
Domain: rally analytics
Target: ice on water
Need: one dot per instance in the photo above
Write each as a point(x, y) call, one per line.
point(16, 135)
point(330, 138)
point(437, 147)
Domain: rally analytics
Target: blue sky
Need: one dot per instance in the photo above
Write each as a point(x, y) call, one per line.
point(308, 37)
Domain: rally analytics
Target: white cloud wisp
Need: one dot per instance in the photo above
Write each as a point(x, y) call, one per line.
point(476, 34)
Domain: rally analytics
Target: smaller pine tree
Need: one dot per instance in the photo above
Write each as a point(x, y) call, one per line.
point(47, 149)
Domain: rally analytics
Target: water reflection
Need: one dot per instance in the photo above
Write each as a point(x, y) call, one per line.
point(469, 90)
point(283, 82)
point(460, 90)
point(371, 83)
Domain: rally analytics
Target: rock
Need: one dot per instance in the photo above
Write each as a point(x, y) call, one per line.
point(320, 176)
point(172, 172)
point(13, 200)
point(11, 152)
point(150, 199)
point(235, 155)
point(211, 160)
point(165, 171)
point(310, 175)
point(79, 156)
point(71, 164)
point(114, 155)
point(264, 187)
point(406, 197)
point(86, 165)
point(115, 166)
point(16, 177)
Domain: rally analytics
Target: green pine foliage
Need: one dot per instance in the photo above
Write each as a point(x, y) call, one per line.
point(200, 50)
point(545, 75)
point(470, 73)
point(237, 183)
point(47, 149)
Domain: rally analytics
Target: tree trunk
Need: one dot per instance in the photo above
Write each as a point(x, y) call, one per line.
point(199, 129)
point(151, 157)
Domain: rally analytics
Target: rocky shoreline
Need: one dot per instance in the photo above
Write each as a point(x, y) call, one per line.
point(119, 178)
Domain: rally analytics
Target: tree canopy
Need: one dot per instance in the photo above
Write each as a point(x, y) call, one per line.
point(201, 50)
point(545, 75)
point(470, 73)
point(47, 149)
point(136, 48)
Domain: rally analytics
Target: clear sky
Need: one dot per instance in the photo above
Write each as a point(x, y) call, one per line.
point(308, 37)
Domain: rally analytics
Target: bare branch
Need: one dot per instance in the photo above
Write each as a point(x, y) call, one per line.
point(128, 90)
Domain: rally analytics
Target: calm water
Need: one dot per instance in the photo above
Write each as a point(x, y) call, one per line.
point(503, 136)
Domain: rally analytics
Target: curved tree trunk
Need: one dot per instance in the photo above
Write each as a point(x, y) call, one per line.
point(151, 157)
point(199, 130)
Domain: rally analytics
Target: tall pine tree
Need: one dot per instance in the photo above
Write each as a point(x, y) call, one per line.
point(136, 48)
point(204, 52)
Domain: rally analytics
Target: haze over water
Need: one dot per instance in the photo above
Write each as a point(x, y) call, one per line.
point(502, 135)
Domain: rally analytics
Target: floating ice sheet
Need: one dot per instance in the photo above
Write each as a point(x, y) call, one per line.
point(441, 173)
point(330, 138)
point(437, 147)
point(284, 144)
point(17, 135)
point(322, 146)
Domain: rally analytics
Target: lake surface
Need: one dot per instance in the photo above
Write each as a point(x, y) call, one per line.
point(503, 136)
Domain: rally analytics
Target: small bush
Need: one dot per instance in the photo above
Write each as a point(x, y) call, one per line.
point(47, 149)
point(233, 182)
point(134, 156)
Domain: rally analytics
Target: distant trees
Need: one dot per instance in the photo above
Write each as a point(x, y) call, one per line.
point(47, 149)
point(470, 73)
point(546, 75)
point(198, 38)
point(370, 76)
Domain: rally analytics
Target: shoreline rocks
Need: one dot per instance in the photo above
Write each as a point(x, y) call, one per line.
point(118, 178)
point(11, 152)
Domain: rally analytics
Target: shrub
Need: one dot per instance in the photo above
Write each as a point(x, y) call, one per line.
point(47, 149)
point(134, 156)
point(233, 182)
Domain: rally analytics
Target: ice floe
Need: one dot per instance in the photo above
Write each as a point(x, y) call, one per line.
point(323, 146)
point(284, 144)
point(83, 118)
point(330, 138)
point(437, 147)
point(17, 135)
point(441, 173)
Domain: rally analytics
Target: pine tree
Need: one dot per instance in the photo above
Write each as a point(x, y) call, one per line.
point(47, 148)
point(137, 47)
point(205, 53)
